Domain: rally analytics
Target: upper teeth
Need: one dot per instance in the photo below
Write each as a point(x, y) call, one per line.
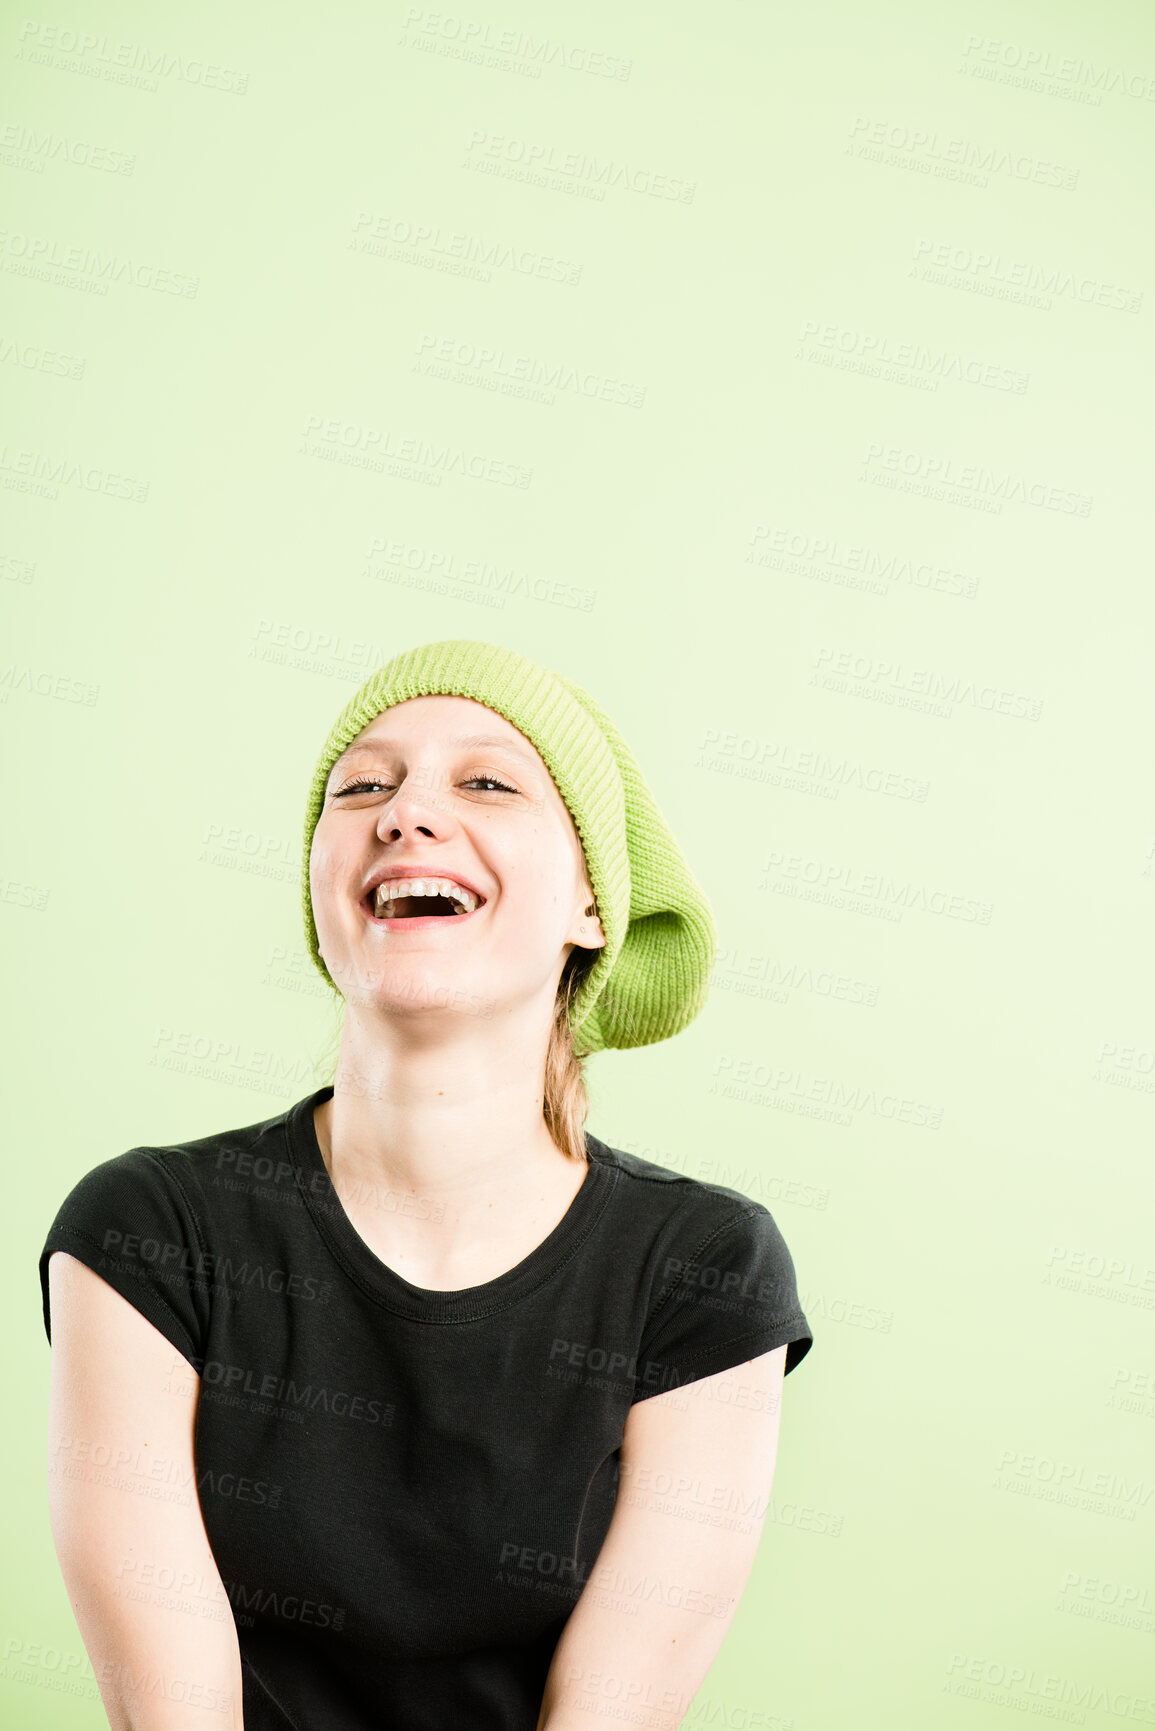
point(394, 887)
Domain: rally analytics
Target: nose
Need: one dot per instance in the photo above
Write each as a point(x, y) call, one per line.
point(415, 809)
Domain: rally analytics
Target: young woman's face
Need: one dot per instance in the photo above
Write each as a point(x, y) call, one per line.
point(444, 787)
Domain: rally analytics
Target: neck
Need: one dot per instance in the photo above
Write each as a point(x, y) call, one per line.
point(454, 1119)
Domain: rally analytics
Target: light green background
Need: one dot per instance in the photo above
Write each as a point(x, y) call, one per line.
point(921, 803)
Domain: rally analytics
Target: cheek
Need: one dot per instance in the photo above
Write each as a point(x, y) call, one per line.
point(537, 896)
point(323, 874)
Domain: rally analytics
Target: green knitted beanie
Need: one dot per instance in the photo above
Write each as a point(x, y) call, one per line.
point(652, 976)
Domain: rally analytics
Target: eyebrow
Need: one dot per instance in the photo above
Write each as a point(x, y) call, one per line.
point(465, 740)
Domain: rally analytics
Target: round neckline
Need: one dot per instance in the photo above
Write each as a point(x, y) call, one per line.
point(423, 1303)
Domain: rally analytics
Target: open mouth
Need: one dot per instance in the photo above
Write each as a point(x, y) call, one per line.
point(418, 904)
point(415, 907)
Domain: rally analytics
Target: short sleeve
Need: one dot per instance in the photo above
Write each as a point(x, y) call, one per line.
point(724, 1295)
point(130, 1220)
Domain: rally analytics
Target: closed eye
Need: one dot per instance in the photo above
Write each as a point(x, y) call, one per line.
point(356, 787)
point(364, 783)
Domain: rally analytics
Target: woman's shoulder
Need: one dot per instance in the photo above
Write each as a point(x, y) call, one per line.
point(181, 1175)
point(154, 1220)
point(721, 1282)
point(662, 1188)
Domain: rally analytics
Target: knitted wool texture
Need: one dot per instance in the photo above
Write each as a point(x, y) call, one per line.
point(652, 976)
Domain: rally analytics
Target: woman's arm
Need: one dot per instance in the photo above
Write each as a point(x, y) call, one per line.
point(697, 1464)
point(126, 1519)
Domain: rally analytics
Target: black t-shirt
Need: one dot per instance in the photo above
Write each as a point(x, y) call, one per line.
point(405, 1490)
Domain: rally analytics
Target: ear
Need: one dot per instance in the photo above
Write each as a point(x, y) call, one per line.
point(589, 932)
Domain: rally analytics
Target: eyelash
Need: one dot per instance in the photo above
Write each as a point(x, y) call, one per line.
point(352, 786)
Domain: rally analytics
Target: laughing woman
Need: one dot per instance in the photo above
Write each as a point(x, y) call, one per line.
point(417, 1407)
